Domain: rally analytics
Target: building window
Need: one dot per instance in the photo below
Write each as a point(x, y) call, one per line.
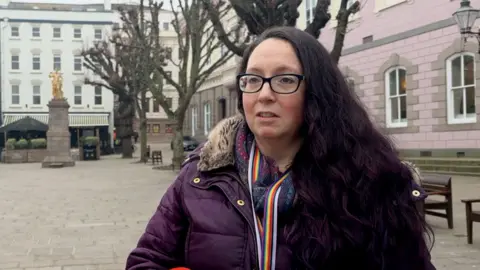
point(194, 120)
point(169, 75)
point(35, 31)
point(77, 33)
point(98, 95)
point(166, 26)
point(37, 98)
point(77, 95)
point(15, 62)
point(461, 89)
point(222, 108)
point(396, 97)
point(57, 32)
point(148, 128)
point(98, 34)
point(156, 106)
point(15, 94)
point(77, 63)
point(14, 31)
point(36, 62)
point(169, 102)
point(147, 102)
point(156, 128)
point(57, 62)
point(310, 10)
point(207, 118)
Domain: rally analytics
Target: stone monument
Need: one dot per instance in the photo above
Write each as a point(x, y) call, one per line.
point(58, 135)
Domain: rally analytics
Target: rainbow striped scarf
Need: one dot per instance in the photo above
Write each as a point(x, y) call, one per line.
point(272, 194)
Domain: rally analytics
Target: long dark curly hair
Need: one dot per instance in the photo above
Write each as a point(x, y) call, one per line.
point(355, 208)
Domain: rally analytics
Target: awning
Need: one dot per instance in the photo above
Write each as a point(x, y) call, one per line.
point(75, 120)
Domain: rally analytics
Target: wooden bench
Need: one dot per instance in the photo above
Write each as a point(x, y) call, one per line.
point(472, 216)
point(435, 184)
point(157, 157)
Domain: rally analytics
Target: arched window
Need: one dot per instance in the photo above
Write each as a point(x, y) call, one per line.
point(396, 97)
point(461, 89)
point(207, 118)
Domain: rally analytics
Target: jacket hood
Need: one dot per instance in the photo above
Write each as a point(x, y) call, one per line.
point(218, 151)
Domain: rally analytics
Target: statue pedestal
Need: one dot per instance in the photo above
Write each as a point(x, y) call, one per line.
point(58, 136)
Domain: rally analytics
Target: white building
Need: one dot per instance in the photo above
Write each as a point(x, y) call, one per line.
point(37, 38)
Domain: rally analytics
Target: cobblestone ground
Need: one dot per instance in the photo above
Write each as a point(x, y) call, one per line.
point(90, 216)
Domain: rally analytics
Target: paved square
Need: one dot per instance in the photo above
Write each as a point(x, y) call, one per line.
point(90, 216)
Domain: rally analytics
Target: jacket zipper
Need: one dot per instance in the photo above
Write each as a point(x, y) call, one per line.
point(252, 226)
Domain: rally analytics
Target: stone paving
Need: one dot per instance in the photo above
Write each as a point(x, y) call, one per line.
point(90, 216)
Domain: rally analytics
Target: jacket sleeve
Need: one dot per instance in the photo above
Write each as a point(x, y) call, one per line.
point(161, 246)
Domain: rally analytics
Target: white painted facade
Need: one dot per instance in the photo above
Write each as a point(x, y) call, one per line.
point(38, 38)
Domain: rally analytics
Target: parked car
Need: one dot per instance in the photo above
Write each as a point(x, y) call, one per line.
point(189, 143)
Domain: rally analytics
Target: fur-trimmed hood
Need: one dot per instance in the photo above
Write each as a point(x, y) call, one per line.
point(218, 151)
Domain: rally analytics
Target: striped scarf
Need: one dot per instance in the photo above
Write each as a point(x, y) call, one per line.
point(269, 174)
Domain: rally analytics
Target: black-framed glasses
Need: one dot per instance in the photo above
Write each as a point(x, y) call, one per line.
point(281, 84)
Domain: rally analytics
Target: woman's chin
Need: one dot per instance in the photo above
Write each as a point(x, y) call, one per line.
point(267, 132)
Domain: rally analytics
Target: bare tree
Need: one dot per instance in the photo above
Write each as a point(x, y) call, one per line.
point(197, 58)
point(259, 15)
point(119, 64)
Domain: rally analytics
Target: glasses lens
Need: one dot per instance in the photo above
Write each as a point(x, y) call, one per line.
point(250, 83)
point(285, 83)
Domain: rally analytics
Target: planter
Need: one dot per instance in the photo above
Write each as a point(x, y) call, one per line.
point(24, 155)
point(89, 152)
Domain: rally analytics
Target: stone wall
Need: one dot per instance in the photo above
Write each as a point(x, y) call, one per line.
point(23, 156)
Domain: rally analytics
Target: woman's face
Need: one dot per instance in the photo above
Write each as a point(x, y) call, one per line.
point(271, 115)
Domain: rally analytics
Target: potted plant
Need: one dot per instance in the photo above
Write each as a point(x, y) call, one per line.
point(40, 143)
point(89, 147)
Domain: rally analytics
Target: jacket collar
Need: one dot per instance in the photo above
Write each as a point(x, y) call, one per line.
point(218, 151)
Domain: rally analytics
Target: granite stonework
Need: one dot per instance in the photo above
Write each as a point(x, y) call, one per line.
point(58, 136)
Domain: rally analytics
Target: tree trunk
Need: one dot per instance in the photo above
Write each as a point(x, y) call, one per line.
point(178, 153)
point(143, 136)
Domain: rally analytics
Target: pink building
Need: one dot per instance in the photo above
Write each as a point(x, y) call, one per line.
point(410, 67)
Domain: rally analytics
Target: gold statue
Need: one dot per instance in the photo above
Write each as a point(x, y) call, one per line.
point(57, 84)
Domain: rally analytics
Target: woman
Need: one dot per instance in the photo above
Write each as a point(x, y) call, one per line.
point(301, 179)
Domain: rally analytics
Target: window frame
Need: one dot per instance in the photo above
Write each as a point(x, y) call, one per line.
point(388, 107)
point(98, 96)
point(75, 64)
point(36, 95)
point(59, 56)
point(207, 121)
point(59, 32)
point(35, 32)
point(39, 62)
point(95, 34)
point(194, 120)
point(12, 95)
point(17, 61)
point(80, 33)
point(76, 95)
point(17, 31)
point(451, 120)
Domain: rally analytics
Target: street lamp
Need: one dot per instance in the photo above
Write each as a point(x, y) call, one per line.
point(465, 17)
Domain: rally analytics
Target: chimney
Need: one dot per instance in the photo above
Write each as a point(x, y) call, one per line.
point(107, 5)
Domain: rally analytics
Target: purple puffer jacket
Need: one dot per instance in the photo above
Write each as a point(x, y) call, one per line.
point(183, 232)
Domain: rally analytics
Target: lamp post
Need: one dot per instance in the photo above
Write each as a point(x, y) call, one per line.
point(465, 17)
